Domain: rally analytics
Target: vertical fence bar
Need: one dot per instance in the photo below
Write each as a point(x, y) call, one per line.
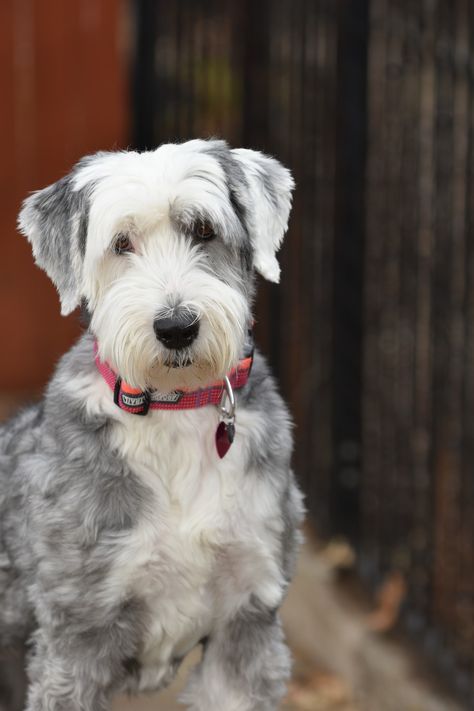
point(143, 73)
point(349, 255)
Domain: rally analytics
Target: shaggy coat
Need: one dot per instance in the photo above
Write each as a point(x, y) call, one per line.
point(125, 541)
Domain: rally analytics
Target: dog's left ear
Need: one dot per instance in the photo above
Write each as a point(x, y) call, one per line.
point(267, 202)
point(55, 222)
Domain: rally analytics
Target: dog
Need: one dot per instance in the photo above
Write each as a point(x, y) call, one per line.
point(147, 504)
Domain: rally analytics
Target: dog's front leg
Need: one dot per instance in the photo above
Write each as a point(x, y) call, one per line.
point(60, 687)
point(61, 680)
point(244, 668)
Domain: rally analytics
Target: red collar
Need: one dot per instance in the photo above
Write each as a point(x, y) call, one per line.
point(138, 402)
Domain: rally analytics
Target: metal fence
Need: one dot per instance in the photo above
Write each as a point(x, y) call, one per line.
point(417, 487)
point(371, 331)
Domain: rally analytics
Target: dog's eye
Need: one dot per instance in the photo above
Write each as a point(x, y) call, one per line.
point(122, 244)
point(203, 231)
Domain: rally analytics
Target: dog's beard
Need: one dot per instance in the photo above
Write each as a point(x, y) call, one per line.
point(216, 350)
point(175, 370)
point(127, 342)
point(195, 374)
point(178, 359)
point(154, 283)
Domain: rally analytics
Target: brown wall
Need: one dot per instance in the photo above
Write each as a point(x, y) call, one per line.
point(62, 94)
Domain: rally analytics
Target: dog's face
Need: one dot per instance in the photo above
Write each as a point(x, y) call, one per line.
point(161, 246)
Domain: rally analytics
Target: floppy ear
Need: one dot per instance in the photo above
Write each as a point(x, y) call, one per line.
point(267, 201)
point(55, 222)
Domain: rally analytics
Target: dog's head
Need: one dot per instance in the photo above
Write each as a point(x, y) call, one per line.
point(161, 247)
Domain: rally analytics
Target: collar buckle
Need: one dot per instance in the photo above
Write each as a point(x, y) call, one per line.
point(130, 399)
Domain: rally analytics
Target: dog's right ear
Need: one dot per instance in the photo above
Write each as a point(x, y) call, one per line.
point(55, 221)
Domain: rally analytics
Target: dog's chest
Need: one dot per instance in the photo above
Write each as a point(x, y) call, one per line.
point(171, 557)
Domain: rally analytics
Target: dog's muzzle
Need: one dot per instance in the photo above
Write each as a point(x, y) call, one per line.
point(178, 331)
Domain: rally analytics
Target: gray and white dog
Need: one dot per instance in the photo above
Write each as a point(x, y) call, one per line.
point(126, 541)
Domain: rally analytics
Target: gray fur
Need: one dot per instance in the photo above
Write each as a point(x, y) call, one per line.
point(253, 653)
point(237, 185)
point(235, 176)
point(270, 175)
point(229, 255)
point(66, 501)
point(69, 502)
point(55, 220)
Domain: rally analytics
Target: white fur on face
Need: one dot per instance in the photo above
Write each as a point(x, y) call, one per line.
point(155, 198)
point(169, 270)
point(245, 194)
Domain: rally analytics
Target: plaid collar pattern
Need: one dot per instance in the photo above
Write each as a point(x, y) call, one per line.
point(139, 402)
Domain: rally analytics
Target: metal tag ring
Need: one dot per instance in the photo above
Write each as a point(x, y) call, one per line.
point(227, 394)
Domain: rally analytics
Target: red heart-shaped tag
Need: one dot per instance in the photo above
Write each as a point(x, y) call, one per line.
point(223, 440)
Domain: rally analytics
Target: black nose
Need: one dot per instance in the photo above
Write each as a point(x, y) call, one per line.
point(177, 332)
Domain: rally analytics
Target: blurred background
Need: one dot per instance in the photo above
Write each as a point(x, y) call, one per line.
point(371, 331)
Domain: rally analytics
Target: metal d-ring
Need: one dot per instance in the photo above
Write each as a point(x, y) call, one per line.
point(227, 394)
